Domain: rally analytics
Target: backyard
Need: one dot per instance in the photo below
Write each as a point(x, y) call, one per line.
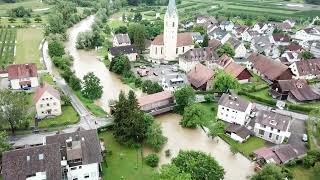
point(69, 116)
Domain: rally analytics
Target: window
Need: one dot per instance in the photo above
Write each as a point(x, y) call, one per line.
point(42, 99)
point(41, 105)
point(228, 109)
point(80, 167)
point(48, 104)
point(40, 156)
point(264, 126)
point(161, 50)
point(54, 103)
point(270, 135)
point(73, 168)
point(75, 179)
point(278, 130)
point(222, 107)
point(177, 51)
point(277, 137)
point(183, 49)
point(272, 129)
point(86, 176)
point(261, 132)
point(156, 50)
point(51, 98)
point(173, 24)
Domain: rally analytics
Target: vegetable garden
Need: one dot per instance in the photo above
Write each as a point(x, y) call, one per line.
point(7, 46)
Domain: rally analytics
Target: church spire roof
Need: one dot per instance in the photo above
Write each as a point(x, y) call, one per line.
point(172, 6)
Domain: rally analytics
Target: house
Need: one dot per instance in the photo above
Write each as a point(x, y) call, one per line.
point(308, 69)
point(205, 20)
point(121, 40)
point(214, 44)
point(268, 69)
point(272, 126)
point(197, 37)
point(234, 109)
point(130, 51)
point(279, 154)
point(157, 103)
point(295, 48)
point(192, 57)
point(235, 70)
point(291, 56)
point(200, 77)
point(227, 25)
point(249, 35)
point(315, 49)
point(219, 34)
point(238, 30)
point(280, 39)
point(290, 22)
point(23, 76)
point(260, 27)
point(294, 90)
point(172, 82)
point(264, 45)
point(238, 46)
point(308, 34)
point(238, 133)
point(70, 156)
point(47, 101)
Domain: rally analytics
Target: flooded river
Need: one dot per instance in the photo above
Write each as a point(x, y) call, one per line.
point(236, 167)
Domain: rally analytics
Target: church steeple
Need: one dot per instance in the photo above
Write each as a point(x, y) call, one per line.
point(172, 6)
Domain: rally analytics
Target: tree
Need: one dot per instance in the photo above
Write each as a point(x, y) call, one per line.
point(120, 64)
point(216, 129)
point(55, 25)
point(199, 165)
point(155, 139)
point(91, 87)
point(270, 171)
point(137, 17)
point(37, 19)
point(121, 30)
point(205, 42)
point(4, 143)
point(152, 160)
point(89, 39)
point(184, 97)
point(281, 49)
point(19, 12)
point(75, 83)
point(12, 20)
point(133, 2)
point(224, 82)
point(56, 48)
point(14, 108)
point(199, 29)
point(26, 20)
point(171, 172)
point(305, 55)
point(137, 34)
point(226, 49)
point(193, 116)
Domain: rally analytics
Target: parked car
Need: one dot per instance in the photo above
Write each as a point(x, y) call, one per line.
point(155, 73)
point(304, 137)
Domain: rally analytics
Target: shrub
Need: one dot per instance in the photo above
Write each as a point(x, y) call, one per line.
point(152, 160)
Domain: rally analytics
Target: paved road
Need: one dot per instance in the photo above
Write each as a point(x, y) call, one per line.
point(87, 120)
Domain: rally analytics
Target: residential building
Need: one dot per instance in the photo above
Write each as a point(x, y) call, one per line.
point(172, 82)
point(227, 25)
point(315, 49)
point(268, 69)
point(234, 109)
point(121, 40)
point(219, 34)
point(157, 103)
point(214, 44)
point(192, 57)
point(308, 34)
point(263, 44)
point(205, 20)
point(200, 77)
point(290, 22)
point(260, 27)
point(23, 76)
point(197, 37)
point(130, 51)
point(238, 30)
point(294, 90)
point(169, 45)
point(291, 56)
point(272, 126)
point(238, 133)
point(308, 69)
point(66, 156)
point(295, 48)
point(238, 46)
point(280, 39)
point(47, 101)
point(235, 70)
point(249, 35)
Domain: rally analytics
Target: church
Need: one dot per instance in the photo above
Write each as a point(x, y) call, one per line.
point(169, 45)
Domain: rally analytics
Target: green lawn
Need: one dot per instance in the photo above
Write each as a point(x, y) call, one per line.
point(210, 111)
point(95, 109)
point(123, 163)
point(28, 43)
point(246, 148)
point(116, 23)
point(46, 77)
point(69, 116)
point(30, 4)
point(301, 173)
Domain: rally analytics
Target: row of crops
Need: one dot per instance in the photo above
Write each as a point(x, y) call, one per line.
point(7, 46)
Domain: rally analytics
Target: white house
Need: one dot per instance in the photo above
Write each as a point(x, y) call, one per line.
point(249, 35)
point(47, 101)
point(172, 82)
point(130, 51)
point(23, 76)
point(272, 126)
point(308, 69)
point(69, 156)
point(219, 34)
point(169, 45)
point(260, 27)
point(238, 133)
point(315, 49)
point(239, 48)
point(234, 109)
point(121, 40)
point(308, 34)
point(280, 39)
point(197, 37)
point(227, 25)
point(238, 30)
point(291, 56)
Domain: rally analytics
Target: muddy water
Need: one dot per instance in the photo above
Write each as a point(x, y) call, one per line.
point(236, 167)
point(87, 61)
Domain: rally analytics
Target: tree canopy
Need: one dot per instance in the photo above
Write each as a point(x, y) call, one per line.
point(4, 143)
point(184, 97)
point(138, 34)
point(91, 87)
point(171, 172)
point(226, 49)
point(193, 116)
point(224, 82)
point(120, 64)
point(270, 171)
point(305, 55)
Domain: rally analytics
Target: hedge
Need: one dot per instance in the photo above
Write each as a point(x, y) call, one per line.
point(257, 98)
point(296, 107)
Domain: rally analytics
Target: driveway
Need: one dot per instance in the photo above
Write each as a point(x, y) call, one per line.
point(297, 129)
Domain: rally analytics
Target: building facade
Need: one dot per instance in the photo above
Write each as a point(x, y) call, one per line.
point(23, 76)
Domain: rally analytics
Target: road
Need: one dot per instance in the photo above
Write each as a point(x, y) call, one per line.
point(87, 120)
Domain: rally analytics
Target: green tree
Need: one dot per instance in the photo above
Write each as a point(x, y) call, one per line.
point(75, 83)
point(216, 129)
point(155, 139)
point(91, 87)
point(152, 160)
point(184, 97)
point(37, 19)
point(12, 20)
point(137, 17)
point(226, 49)
point(171, 172)
point(224, 82)
point(281, 49)
point(199, 29)
point(14, 108)
point(199, 165)
point(121, 30)
point(55, 25)
point(4, 143)
point(205, 42)
point(270, 171)
point(56, 48)
point(137, 34)
point(120, 64)
point(305, 55)
point(193, 116)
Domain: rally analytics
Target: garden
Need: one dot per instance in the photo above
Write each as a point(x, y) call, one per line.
point(7, 46)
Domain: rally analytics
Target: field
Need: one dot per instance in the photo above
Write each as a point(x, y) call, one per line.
point(36, 6)
point(7, 45)
point(28, 43)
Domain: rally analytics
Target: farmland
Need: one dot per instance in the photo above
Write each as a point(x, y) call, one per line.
point(7, 46)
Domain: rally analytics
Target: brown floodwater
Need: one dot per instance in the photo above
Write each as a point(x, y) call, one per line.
point(236, 166)
point(87, 61)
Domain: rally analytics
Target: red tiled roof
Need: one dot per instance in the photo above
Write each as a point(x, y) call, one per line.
point(308, 67)
point(214, 43)
point(281, 37)
point(152, 98)
point(19, 71)
point(199, 75)
point(294, 47)
point(45, 88)
point(183, 39)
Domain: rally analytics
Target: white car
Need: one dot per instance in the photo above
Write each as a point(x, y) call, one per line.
point(304, 137)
